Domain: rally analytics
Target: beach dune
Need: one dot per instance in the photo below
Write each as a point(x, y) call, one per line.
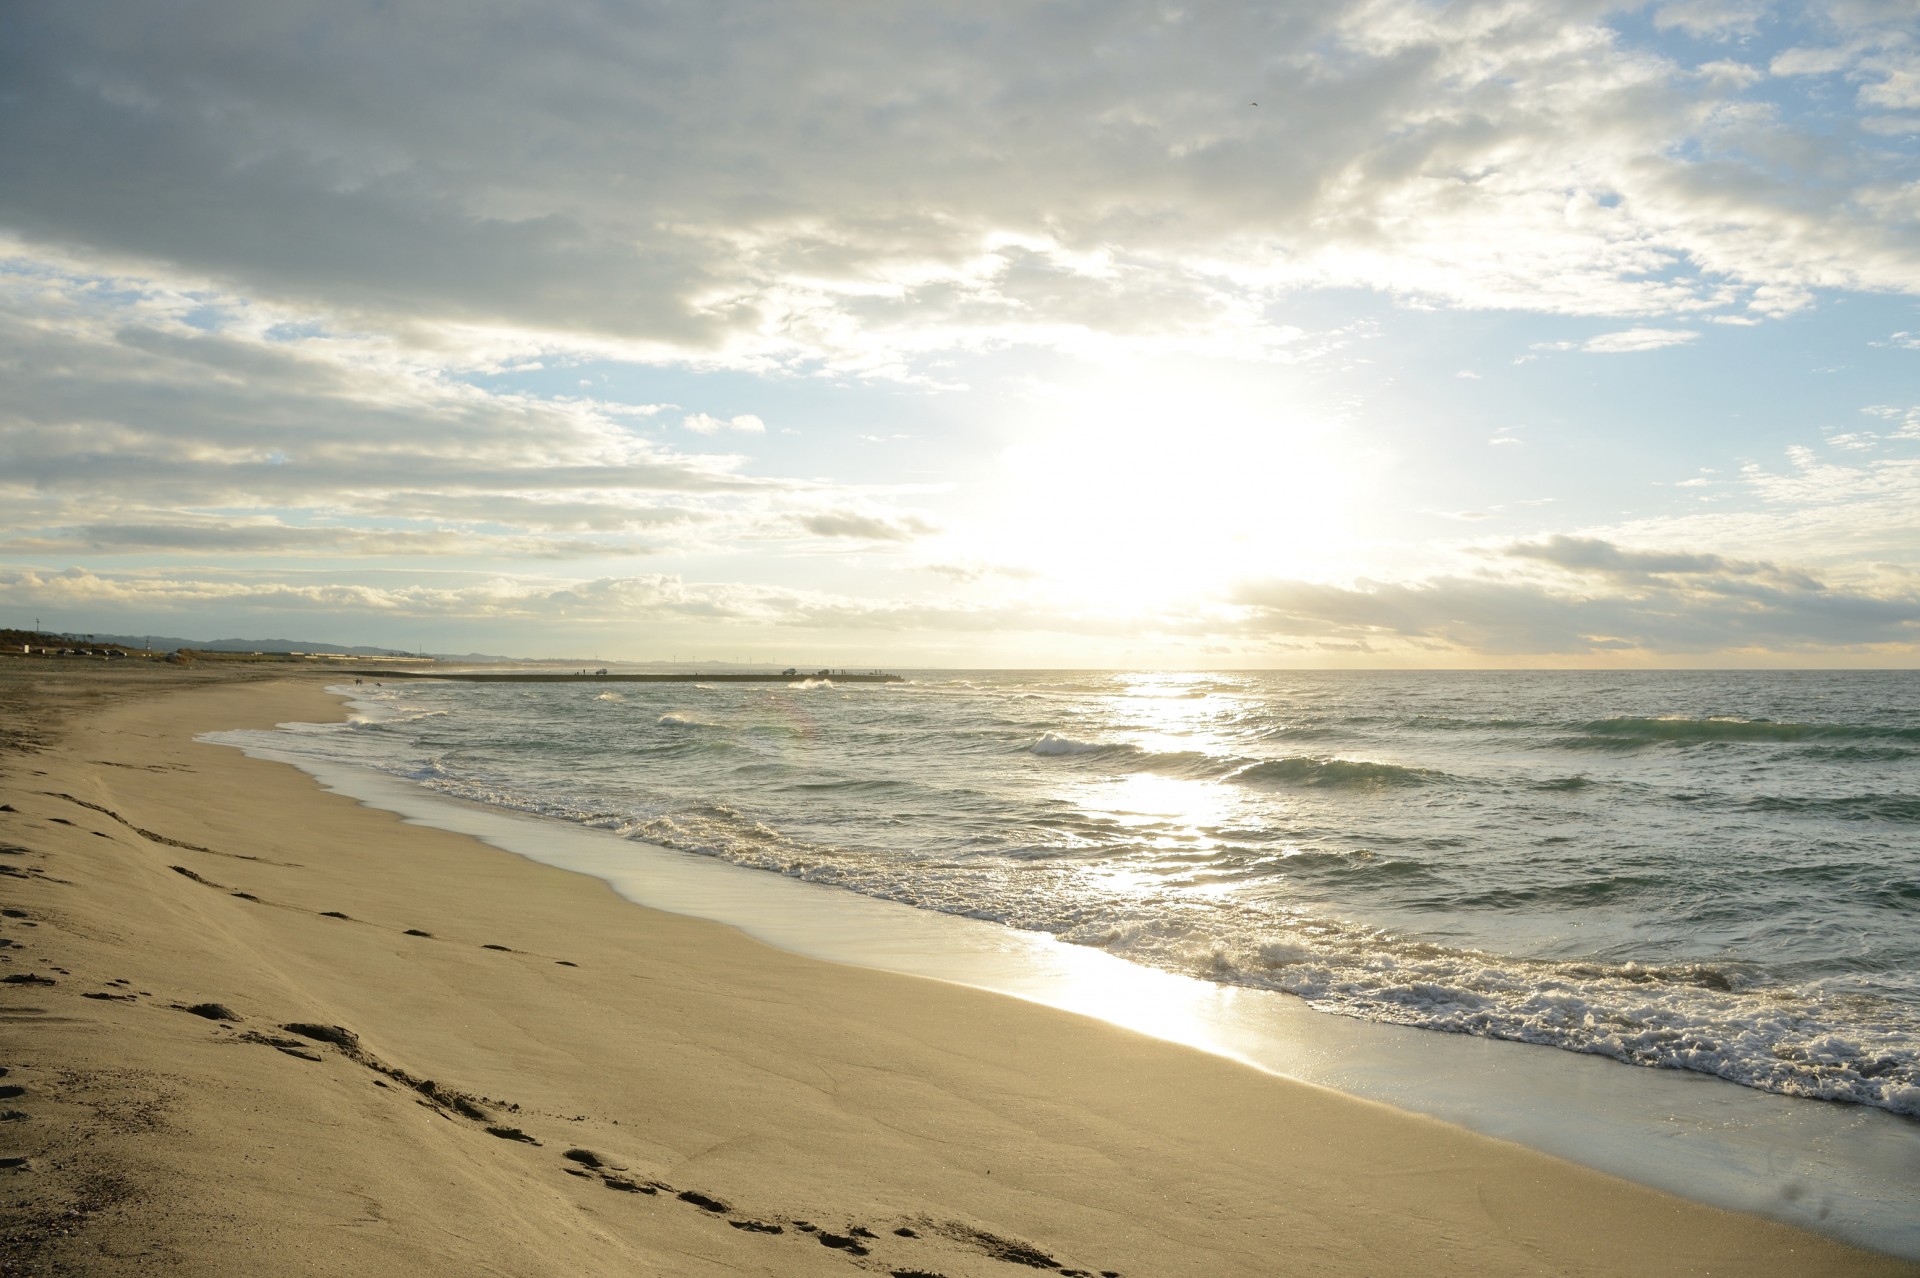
point(252, 1027)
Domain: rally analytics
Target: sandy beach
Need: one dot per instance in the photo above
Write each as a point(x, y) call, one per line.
point(254, 1027)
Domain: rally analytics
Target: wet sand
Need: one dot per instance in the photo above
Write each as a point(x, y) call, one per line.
point(250, 1026)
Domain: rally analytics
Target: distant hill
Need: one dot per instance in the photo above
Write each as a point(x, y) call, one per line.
point(170, 643)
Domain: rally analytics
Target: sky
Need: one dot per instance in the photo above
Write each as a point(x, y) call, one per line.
point(1088, 333)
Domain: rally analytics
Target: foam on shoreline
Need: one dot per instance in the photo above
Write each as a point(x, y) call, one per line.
point(1849, 1172)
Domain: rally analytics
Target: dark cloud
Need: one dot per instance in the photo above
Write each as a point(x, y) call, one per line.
point(1589, 554)
point(1652, 600)
point(850, 523)
point(215, 537)
point(718, 178)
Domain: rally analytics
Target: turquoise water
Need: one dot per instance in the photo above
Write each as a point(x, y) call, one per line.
point(1708, 871)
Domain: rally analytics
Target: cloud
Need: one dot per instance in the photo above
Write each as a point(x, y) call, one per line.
point(1891, 126)
point(1710, 18)
point(1591, 556)
point(971, 572)
point(849, 523)
point(745, 423)
point(1728, 74)
point(604, 604)
point(275, 538)
point(125, 429)
point(1598, 599)
point(1611, 599)
point(821, 186)
point(1626, 342)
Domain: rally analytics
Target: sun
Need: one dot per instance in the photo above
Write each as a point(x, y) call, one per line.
point(1139, 491)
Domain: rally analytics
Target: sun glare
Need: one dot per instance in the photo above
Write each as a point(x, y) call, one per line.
point(1141, 493)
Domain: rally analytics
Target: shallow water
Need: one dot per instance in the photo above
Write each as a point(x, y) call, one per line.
point(1717, 872)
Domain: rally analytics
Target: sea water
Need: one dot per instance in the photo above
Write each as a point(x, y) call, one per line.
point(1716, 872)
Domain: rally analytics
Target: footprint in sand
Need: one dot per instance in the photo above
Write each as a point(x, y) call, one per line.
point(212, 1011)
point(840, 1242)
point(626, 1186)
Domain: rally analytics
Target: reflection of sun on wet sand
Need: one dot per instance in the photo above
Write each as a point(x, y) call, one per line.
point(253, 1027)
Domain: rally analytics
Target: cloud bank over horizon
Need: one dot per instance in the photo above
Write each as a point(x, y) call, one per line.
point(1087, 335)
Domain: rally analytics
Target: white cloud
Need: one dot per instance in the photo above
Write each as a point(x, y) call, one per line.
point(1891, 126)
point(745, 423)
point(126, 430)
point(1728, 74)
point(1626, 342)
point(1906, 421)
point(1638, 339)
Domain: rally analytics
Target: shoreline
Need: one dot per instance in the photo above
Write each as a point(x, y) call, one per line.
point(683, 1057)
point(1845, 1171)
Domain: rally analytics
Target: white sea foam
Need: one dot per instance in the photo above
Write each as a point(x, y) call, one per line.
point(1447, 843)
point(1781, 1039)
point(1054, 743)
point(609, 696)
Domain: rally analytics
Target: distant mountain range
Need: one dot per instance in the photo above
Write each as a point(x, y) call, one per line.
point(168, 643)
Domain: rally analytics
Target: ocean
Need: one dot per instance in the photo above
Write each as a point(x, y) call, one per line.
point(1715, 872)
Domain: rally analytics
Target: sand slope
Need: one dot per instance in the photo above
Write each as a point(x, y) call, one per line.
point(532, 1077)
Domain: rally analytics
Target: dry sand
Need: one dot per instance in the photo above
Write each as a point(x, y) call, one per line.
point(620, 1091)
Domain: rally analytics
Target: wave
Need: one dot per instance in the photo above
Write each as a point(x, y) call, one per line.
point(1712, 1018)
point(391, 716)
point(1684, 731)
point(609, 696)
point(1852, 807)
point(1496, 826)
point(851, 785)
point(1054, 744)
point(807, 684)
point(1296, 770)
point(1346, 774)
point(1578, 895)
point(1861, 754)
